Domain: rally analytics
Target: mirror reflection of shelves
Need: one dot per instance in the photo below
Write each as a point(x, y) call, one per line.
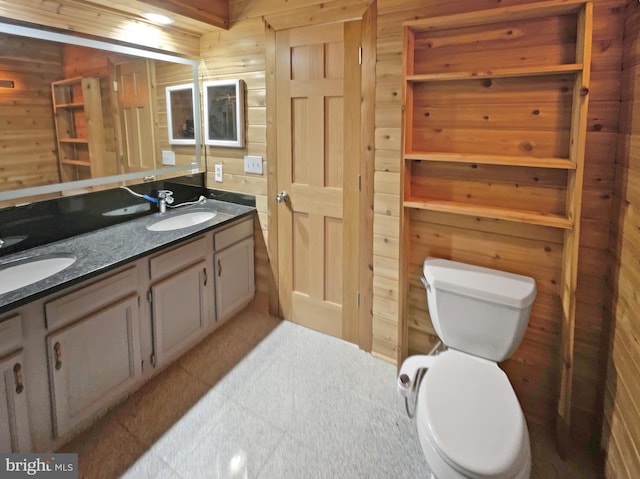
point(77, 106)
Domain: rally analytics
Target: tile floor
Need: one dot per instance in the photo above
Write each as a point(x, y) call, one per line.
point(268, 399)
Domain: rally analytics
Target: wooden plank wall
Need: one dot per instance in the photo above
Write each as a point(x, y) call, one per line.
point(240, 53)
point(171, 74)
point(621, 431)
point(533, 369)
point(27, 131)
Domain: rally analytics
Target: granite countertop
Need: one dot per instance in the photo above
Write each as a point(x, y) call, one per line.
point(107, 248)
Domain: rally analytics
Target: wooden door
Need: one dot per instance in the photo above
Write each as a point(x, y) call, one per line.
point(136, 86)
point(317, 78)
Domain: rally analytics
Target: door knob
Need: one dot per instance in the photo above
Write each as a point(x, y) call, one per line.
point(282, 197)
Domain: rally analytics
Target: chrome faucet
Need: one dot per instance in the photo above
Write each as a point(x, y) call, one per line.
point(165, 197)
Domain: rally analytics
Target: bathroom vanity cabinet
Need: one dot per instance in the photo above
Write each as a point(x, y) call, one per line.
point(181, 296)
point(93, 349)
point(14, 415)
point(90, 345)
point(234, 273)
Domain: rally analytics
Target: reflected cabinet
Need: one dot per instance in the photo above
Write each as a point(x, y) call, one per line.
point(180, 109)
point(224, 113)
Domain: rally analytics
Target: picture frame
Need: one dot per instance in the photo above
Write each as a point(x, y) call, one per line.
point(180, 114)
point(224, 113)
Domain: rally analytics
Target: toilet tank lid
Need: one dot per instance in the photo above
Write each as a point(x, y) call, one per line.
point(488, 284)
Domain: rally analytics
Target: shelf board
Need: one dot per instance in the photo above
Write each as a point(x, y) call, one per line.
point(526, 161)
point(70, 105)
point(73, 140)
point(520, 216)
point(499, 73)
point(497, 15)
point(76, 162)
point(67, 81)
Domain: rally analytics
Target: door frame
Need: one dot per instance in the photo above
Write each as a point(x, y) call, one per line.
point(358, 198)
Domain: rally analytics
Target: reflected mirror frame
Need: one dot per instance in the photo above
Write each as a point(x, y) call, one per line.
point(104, 45)
point(170, 119)
point(237, 111)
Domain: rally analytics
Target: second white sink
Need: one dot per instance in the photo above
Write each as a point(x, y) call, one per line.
point(25, 272)
point(181, 221)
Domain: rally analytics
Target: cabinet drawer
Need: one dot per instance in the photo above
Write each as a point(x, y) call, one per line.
point(177, 258)
point(73, 306)
point(10, 334)
point(233, 234)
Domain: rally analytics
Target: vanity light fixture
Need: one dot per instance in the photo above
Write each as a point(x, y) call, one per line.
point(7, 84)
point(158, 18)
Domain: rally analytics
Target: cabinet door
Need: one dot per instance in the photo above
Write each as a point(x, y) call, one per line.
point(93, 361)
point(235, 283)
point(179, 305)
point(14, 420)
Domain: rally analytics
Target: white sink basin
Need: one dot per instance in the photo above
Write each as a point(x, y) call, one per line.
point(25, 272)
point(128, 210)
point(181, 221)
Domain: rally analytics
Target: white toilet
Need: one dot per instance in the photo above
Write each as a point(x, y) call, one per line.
point(468, 417)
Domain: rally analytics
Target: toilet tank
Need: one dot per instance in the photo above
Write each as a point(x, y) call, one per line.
point(480, 311)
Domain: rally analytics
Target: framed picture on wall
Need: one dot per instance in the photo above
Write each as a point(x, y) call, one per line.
point(224, 113)
point(180, 114)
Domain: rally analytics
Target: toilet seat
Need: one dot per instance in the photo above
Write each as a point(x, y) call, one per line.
point(472, 418)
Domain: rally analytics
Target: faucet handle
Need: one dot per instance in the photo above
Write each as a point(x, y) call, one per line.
point(166, 195)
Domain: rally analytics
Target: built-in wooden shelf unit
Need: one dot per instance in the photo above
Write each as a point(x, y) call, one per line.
point(77, 105)
point(475, 144)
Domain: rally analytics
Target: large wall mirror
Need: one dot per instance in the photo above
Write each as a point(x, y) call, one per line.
point(78, 115)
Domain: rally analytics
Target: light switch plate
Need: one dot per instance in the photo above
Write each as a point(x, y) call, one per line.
point(168, 157)
point(217, 172)
point(253, 164)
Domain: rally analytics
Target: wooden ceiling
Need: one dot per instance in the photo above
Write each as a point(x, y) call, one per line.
point(212, 12)
point(196, 16)
point(123, 21)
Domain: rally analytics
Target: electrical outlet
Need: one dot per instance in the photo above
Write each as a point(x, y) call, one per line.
point(253, 164)
point(168, 157)
point(217, 172)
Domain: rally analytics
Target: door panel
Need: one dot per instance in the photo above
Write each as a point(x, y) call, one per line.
point(235, 283)
point(93, 361)
point(135, 83)
point(311, 144)
point(14, 420)
point(180, 305)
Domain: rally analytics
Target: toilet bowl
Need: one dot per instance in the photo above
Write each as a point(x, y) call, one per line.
point(469, 421)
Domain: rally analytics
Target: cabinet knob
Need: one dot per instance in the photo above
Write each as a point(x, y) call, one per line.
point(57, 349)
point(204, 271)
point(17, 374)
point(219, 268)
